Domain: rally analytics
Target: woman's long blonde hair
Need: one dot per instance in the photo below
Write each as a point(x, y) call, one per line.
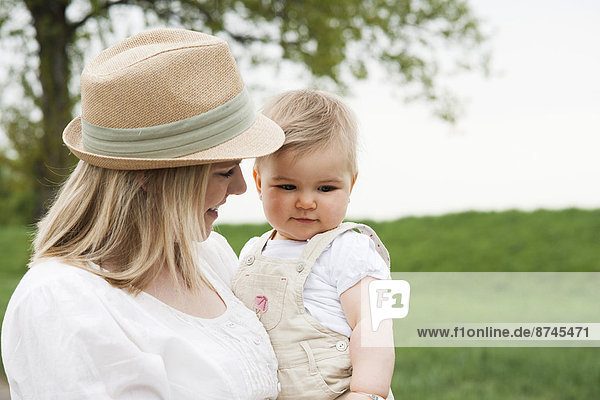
point(135, 221)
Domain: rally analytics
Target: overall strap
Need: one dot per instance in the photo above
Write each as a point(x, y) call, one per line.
point(381, 250)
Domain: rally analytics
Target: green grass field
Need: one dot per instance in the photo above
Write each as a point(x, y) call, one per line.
point(565, 240)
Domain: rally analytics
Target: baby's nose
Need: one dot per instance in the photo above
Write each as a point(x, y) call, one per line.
point(306, 201)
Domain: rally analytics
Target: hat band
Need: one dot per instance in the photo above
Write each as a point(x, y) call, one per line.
point(174, 139)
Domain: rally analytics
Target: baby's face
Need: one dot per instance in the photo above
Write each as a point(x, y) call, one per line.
point(306, 195)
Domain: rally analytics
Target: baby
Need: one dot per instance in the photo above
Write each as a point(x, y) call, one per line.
point(304, 278)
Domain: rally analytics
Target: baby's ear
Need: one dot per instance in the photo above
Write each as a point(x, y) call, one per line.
point(353, 181)
point(257, 181)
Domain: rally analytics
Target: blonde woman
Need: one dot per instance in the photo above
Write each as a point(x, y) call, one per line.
point(128, 295)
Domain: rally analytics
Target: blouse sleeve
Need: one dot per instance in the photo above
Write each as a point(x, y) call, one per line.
point(354, 257)
point(59, 341)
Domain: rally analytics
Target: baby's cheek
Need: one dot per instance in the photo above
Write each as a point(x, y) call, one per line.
point(338, 213)
point(274, 209)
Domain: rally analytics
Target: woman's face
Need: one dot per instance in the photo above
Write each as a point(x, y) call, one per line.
point(225, 178)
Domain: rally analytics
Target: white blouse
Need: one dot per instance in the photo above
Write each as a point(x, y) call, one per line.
point(68, 334)
point(350, 257)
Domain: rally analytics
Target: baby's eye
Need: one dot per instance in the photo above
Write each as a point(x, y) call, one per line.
point(326, 188)
point(287, 187)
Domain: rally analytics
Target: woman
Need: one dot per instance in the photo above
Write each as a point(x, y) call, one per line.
point(128, 293)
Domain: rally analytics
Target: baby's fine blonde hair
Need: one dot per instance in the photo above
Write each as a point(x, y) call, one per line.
point(313, 120)
point(135, 221)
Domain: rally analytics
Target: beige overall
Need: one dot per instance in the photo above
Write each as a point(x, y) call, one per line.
point(314, 361)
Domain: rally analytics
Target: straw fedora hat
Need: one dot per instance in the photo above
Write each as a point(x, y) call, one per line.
point(167, 98)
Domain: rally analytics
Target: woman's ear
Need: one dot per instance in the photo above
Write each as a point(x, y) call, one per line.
point(257, 181)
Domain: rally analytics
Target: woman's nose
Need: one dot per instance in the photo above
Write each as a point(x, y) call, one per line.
point(238, 183)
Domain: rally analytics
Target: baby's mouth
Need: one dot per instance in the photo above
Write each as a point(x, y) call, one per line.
point(305, 220)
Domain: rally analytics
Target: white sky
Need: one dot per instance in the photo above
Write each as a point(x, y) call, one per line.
point(530, 137)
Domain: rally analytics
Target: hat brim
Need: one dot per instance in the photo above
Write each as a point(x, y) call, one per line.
point(263, 137)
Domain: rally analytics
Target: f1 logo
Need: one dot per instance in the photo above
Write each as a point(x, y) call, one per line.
point(389, 299)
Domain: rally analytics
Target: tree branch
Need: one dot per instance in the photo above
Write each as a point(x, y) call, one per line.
point(74, 25)
point(245, 39)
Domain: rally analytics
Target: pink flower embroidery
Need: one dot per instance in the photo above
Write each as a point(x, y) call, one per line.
point(261, 304)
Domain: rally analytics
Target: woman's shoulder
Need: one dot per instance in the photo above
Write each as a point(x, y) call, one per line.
point(248, 247)
point(54, 281)
point(56, 273)
point(215, 245)
point(218, 240)
point(52, 289)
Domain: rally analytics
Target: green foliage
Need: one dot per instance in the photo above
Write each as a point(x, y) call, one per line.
point(337, 42)
point(496, 241)
point(496, 373)
point(541, 240)
point(565, 240)
point(238, 235)
point(17, 193)
point(14, 248)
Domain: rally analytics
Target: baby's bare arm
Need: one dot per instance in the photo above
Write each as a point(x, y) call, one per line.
point(372, 353)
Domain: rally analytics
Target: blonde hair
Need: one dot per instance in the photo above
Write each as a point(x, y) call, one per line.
point(313, 120)
point(135, 221)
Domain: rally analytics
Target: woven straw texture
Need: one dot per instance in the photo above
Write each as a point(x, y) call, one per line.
point(159, 77)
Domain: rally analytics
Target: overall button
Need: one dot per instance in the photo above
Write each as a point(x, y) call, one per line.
point(249, 260)
point(300, 267)
point(256, 340)
point(341, 345)
point(230, 324)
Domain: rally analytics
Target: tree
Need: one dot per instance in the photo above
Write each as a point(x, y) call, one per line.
point(336, 40)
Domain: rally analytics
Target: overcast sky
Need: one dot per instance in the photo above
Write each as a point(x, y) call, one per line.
point(529, 139)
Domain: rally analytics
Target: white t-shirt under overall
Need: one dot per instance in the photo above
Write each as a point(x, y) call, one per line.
point(350, 257)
